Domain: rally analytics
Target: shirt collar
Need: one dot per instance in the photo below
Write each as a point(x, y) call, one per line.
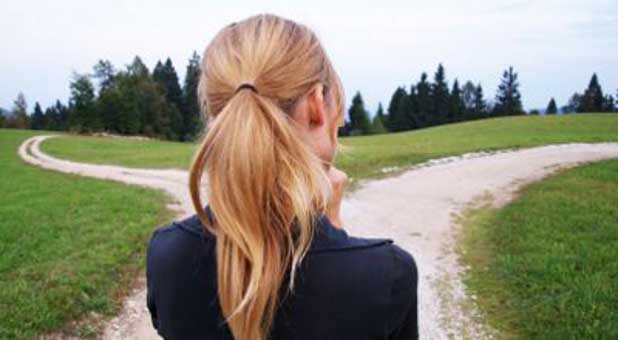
point(327, 237)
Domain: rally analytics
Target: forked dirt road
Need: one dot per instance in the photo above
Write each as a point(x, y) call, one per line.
point(417, 208)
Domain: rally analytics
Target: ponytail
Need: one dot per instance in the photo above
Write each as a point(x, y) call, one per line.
point(262, 180)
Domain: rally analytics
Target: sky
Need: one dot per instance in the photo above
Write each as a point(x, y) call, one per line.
point(554, 45)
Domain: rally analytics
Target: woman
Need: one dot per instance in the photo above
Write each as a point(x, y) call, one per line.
point(267, 258)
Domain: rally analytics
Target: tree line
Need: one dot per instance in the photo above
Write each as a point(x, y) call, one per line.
point(131, 101)
point(429, 103)
point(135, 101)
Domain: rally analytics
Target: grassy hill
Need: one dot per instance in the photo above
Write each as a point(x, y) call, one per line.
point(70, 245)
point(546, 265)
point(365, 156)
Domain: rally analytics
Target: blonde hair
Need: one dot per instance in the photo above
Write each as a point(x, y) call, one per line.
point(266, 186)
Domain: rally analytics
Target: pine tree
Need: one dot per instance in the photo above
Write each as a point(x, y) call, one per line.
point(440, 97)
point(593, 99)
point(467, 97)
point(166, 76)
point(377, 124)
point(18, 119)
point(423, 102)
point(405, 112)
point(456, 104)
point(83, 115)
point(104, 73)
point(480, 105)
point(412, 117)
point(397, 120)
point(51, 117)
point(359, 118)
point(37, 120)
point(508, 98)
point(56, 117)
point(551, 107)
point(574, 103)
point(609, 104)
point(380, 113)
point(192, 121)
point(138, 68)
point(3, 113)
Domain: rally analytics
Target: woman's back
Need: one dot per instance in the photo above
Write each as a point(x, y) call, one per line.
point(346, 287)
point(273, 104)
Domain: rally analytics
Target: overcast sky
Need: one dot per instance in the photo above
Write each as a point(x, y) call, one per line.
point(554, 45)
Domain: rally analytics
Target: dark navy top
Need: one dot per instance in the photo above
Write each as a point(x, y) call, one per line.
point(347, 287)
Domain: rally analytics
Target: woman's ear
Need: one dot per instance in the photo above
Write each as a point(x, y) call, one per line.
point(315, 106)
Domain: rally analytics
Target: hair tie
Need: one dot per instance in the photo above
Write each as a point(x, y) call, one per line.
point(246, 86)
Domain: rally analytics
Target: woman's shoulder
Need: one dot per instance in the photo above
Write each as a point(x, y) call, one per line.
point(329, 238)
point(174, 241)
point(380, 262)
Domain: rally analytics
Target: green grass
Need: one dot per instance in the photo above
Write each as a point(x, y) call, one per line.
point(365, 156)
point(69, 245)
point(546, 265)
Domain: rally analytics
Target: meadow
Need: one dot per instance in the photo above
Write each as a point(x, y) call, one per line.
point(70, 245)
point(546, 265)
point(366, 156)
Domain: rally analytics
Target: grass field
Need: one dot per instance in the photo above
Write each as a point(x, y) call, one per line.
point(365, 156)
point(69, 245)
point(546, 265)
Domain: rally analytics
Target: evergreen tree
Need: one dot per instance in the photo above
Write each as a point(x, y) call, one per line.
point(480, 105)
point(83, 116)
point(3, 113)
point(440, 98)
point(51, 117)
point(397, 120)
point(609, 104)
point(136, 104)
point(423, 102)
point(593, 99)
point(56, 117)
point(574, 103)
point(456, 104)
point(467, 97)
point(377, 124)
point(111, 107)
point(62, 115)
point(551, 107)
point(359, 118)
point(412, 114)
point(508, 98)
point(380, 114)
point(191, 120)
point(18, 119)
point(405, 112)
point(37, 121)
point(104, 73)
point(165, 75)
point(138, 68)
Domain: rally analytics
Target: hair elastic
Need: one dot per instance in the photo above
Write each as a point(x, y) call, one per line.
point(246, 86)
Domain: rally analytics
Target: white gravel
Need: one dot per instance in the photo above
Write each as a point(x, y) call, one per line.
point(417, 208)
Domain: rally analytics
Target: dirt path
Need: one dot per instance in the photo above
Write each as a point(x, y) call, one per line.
point(417, 208)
